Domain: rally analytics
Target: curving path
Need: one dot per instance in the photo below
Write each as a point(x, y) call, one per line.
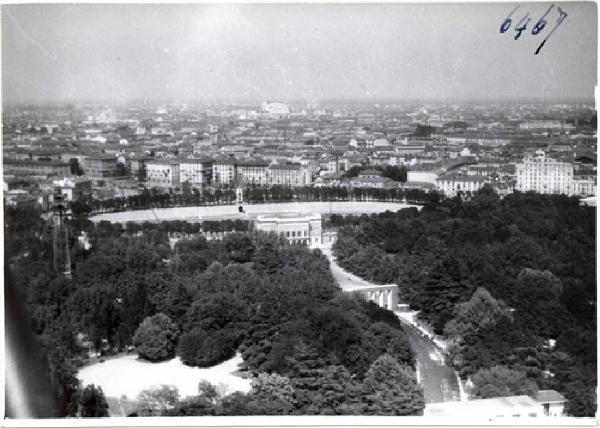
point(439, 381)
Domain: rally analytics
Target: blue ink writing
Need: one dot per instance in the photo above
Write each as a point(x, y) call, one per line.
point(539, 26)
point(506, 24)
point(519, 29)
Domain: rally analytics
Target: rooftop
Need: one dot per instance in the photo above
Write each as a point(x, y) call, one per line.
point(463, 178)
point(32, 162)
point(549, 396)
point(519, 405)
point(163, 162)
point(288, 167)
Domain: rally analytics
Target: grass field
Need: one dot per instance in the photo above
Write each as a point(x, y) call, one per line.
point(122, 378)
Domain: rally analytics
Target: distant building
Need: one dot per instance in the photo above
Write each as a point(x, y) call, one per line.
point(163, 173)
point(31, 167)
point(546, 403)
point(369, 178)
point(197, 172)
point(546, 124)
point(202, 145)
point(19, 199)
point(451, 184)
point(275, 109)
point(553, 403)
point(73, 188)
point(100, 167)
point(137, 164)
point(252, 172)
point(410, 149)
point(296, 228)
point(584, 185)
point(422, 176)
point(223, 172)
point(291, 175)
point(542, 174)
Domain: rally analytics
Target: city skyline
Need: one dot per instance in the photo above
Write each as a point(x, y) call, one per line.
point(209, 54)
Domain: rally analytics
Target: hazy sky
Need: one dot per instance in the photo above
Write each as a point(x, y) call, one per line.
point(93, 52)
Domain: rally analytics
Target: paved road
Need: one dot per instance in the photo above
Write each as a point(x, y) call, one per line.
point(344, 278)
point(438, 380)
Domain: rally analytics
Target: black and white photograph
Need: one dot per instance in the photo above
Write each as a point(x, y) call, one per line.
point(281, 210)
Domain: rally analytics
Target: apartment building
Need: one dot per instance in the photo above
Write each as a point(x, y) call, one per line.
point(252, 172)
point(31, 167)
point(197, 172)
point(100, 167)
point(291, 175)
point(224, 172)
point(542, 174)
point(163, 173)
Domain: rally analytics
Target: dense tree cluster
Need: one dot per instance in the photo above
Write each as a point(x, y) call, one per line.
point(389, 388)
point(156, 338)
point(312, 348)
point(92, 403)
point(511, 281)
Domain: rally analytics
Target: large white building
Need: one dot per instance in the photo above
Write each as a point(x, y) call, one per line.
point(542, 174)
point(296, 228)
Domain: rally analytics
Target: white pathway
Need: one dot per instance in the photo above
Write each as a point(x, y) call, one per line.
point(128, 375)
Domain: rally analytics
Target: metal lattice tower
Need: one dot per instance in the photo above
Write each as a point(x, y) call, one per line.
point(60, 249)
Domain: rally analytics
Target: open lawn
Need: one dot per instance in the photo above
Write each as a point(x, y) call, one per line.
point(221, 212)
point(128, 375)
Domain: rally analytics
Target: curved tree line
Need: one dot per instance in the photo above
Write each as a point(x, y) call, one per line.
point(157, 199)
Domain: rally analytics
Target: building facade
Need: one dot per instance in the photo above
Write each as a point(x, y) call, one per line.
point(584, 186)
point(289, 175)
point(252, 173)
point(100, 167)
point(197, 172)
point(296, 228)
point(163, 173)
point(30, 167)
point(542, 174)
point(451, 184)
point(223, 172)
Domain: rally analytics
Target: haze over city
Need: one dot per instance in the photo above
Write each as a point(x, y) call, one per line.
point(235, 53)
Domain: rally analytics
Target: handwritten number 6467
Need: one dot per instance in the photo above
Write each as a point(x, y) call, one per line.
point(537, 28)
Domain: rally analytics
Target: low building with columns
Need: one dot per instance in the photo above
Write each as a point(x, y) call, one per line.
point(296, 228)
point(385, 296)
